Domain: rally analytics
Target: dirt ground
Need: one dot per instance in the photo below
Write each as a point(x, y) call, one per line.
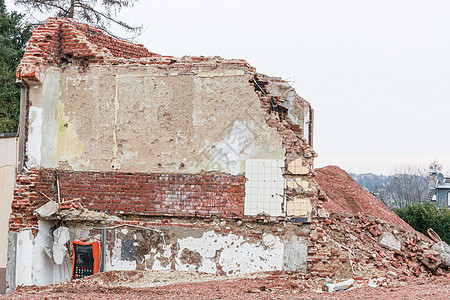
point(187, 285)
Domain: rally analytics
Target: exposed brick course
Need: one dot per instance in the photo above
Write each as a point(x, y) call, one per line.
point(185, 195)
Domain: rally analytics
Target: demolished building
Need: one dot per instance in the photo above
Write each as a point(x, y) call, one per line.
point(192, 163)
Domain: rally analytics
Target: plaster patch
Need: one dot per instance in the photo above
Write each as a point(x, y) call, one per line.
point(34, 137)
point(236, 146)
point(160, 257)
point(24, 258)
point(237, 255)
point(70, 147)
point(51, 91)
point(115, 262)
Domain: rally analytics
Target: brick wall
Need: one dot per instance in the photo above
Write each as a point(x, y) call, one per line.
point(26, 199)
point(201, 195)
point(60, 39)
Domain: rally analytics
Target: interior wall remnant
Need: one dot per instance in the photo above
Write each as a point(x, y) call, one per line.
point(205, 142)
point(33, 261)
point(203, 250)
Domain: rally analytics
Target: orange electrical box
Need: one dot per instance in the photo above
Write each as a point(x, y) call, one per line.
point(86, 259)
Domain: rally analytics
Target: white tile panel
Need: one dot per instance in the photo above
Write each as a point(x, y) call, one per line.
point(264, 187)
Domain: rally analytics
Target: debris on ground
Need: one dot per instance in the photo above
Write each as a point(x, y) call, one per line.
point(192, 285)
point(352, 284)
point(362, 237)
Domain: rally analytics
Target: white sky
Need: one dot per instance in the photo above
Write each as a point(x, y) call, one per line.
point(377, 72)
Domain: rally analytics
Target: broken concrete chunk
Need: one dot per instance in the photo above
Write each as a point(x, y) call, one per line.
point(444, 253)
point(388, 241)
point(47, 210)
point(323, 213)
point(296, 167)
point(61, 237)
point(340, 286)
point(429, 260)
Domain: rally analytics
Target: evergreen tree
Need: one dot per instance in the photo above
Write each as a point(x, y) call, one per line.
point(13, 38)
point(427, 215)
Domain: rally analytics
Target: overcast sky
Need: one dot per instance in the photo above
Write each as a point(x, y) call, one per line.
point(377, 72)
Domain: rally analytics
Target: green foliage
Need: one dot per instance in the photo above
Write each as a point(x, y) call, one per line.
point(427, 215)
point(13, 38)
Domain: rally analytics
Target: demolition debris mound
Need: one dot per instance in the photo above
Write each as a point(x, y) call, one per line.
point(346, 196)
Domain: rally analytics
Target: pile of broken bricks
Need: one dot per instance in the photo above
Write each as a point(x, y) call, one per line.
point(344, 246)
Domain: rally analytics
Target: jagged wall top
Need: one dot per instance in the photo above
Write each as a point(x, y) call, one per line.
point(63, 38)
point(60, 40)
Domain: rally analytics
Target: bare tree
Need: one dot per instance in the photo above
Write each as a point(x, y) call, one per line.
point(94, 12)
point(407, 186)
point(435, 167)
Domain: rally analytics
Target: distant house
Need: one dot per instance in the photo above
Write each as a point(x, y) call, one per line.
point(439, 189)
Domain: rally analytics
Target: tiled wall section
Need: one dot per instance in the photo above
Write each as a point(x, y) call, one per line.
point(264, 188)
point(299, 207)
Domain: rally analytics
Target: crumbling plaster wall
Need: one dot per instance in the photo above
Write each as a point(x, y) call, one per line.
point(33, 266)
point(217, 248)
point(184, 118)
point(148, 120)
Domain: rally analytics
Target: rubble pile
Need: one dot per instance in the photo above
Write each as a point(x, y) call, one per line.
point(349, 246)
point(355, 235)
point(348, 197)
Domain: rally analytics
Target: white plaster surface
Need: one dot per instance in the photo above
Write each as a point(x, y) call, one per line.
point(50, 96)
point(114, 262)
point(236, 255)
point(167, 252)
point(42, 271)
point(34, 137)
point(33, 265)
point(213, 253)
point(7, 180)
point(24, 258)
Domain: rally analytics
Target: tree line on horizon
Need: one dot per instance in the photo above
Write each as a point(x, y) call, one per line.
point(408, 185)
